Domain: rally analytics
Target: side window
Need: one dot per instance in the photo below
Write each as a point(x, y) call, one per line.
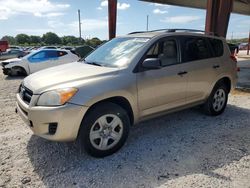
point(166, 51)
point(153, 51)
point(168, 55)
point(51, 54)
point(39, 55)
point(195, 49)
point(217, 46)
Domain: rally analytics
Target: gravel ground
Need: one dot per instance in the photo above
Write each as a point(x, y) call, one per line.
point(184, 149)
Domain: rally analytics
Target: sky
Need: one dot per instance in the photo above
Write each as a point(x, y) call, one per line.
point(36, 17)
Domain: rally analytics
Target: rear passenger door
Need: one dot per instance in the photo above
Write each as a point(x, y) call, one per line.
point(202, 66)
point(61, 58)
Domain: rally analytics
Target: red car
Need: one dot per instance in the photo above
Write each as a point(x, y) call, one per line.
point(4, 45)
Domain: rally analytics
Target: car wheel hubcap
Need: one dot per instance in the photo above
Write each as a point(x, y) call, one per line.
point(219, 100)
point(106, 132)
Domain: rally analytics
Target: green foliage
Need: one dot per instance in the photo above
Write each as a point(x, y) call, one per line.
point(70, 40)
point(238, 41)
point(94, 42)
point(51, 39)
point(35, 39)
point(22, 39)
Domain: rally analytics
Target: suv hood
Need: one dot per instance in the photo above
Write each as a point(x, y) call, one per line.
point(77, 72)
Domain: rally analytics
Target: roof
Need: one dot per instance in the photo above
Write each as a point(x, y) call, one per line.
point(240, 6)
point(151, 34)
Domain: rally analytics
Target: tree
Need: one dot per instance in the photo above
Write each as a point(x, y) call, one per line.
point(69, 40)
point(51, 39)
point(22, 39)
point(94, 42)
point(35, 39)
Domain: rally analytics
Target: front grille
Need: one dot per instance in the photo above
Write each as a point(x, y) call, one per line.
point(25, 94)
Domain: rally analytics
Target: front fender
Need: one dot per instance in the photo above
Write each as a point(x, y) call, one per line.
point(115, 86)
point(22, 64)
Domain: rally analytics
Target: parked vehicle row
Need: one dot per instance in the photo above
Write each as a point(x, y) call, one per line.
point(12, 53)
point(16, 62)
point(243, 46)
point(96, 100)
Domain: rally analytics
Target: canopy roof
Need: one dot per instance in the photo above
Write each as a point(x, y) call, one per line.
point(240, 6)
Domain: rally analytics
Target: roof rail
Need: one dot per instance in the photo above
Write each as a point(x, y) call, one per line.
point(176, 30)
point(138, 32)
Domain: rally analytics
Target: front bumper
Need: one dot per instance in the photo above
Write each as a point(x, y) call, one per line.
point(6, 71)
point(67, 117)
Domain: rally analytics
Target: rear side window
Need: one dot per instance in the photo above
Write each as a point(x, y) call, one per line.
point(195, 49)
point(51, 54)
point(217, 47)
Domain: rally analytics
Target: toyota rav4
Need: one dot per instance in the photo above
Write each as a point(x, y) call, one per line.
point(127, 80)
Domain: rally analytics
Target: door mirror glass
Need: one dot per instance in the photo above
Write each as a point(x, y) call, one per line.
point(151, 63)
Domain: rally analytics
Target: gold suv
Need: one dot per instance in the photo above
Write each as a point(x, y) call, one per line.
point(127, 80)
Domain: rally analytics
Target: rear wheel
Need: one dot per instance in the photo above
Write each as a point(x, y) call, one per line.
point(217, 101)
point(104, 130)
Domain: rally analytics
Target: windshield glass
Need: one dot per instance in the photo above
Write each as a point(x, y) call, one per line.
point(117, 52)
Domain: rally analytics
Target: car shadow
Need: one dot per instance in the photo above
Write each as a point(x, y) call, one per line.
point(14, 77)
point(173, 146)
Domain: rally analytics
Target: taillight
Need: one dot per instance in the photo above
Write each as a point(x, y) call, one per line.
point(232, 56)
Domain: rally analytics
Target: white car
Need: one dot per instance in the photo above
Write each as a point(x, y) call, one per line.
point(37, 60)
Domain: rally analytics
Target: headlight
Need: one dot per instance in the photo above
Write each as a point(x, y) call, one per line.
point(56, 97)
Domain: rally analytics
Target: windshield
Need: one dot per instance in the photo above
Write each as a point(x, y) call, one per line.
point(117, 52)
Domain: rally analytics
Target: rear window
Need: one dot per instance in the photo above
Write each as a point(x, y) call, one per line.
point(217, 47)
point(195, 49)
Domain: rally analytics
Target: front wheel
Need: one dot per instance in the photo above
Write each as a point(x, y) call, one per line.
point(104, 130)
point(217, 101)
point(17, 71)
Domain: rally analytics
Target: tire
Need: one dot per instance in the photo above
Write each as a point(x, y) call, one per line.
point(17, 71)
point(217, 101)
point(96, 135)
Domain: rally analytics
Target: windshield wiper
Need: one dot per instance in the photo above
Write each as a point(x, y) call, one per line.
point(94, 63)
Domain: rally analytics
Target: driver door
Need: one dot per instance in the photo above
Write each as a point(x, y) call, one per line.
point(165, 88)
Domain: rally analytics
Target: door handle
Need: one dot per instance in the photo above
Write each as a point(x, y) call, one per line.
point(216, 66)
point(182, 73)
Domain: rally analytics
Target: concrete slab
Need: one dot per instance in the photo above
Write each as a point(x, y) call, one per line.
point(243, 54)
point(244, 74)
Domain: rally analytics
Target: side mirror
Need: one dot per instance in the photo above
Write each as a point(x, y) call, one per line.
point(151, 63)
